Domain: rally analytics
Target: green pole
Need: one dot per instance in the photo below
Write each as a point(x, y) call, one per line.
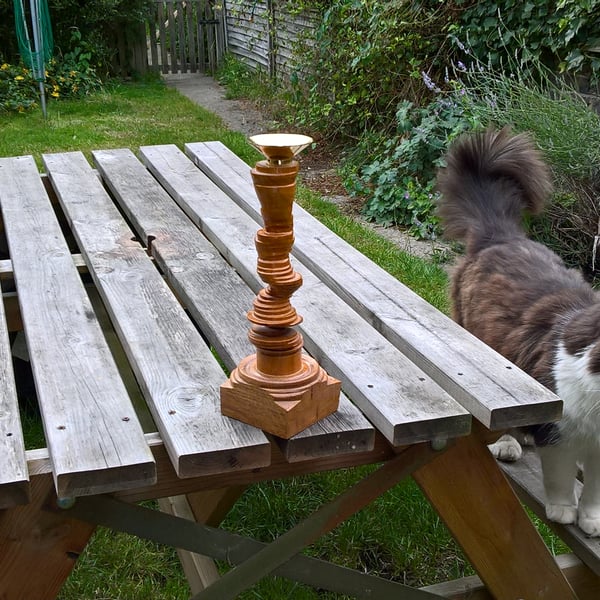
point(38, 61)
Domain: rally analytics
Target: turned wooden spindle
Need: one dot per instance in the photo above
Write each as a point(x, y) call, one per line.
point(280, 389)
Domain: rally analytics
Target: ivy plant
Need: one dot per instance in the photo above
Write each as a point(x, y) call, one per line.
point(563, 35)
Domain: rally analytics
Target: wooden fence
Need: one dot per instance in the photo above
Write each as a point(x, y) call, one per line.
point(186, 35)
point(179, 36)
point(193, 36)
point(263, 33)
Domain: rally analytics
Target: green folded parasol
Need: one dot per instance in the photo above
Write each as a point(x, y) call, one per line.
point(35, 24)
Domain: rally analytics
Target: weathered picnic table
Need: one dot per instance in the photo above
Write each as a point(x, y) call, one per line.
point(127, 279)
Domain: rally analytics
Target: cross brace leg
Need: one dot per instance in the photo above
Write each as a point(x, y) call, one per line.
point(463, 483)
point(256, 559)
point(209, 507)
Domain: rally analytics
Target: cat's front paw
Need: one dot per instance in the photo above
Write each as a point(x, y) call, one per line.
point(506, 449)
point(589, 524)
point(561, 513)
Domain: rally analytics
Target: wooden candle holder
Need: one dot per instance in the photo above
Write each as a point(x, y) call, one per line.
point(279, 389)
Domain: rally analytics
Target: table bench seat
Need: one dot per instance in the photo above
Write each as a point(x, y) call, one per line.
point(526, 477)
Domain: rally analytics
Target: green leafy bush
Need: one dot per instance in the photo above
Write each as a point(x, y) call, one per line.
point(18, 90)
point(366, 56)
point(241, 81)
point(73, 74)
point(97, 22)
point(399, 181)
point(363, 86)
point(68, 76)
point(563, 35)
point(567, 131)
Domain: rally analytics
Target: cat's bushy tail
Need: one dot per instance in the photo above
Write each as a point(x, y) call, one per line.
point(490, 178)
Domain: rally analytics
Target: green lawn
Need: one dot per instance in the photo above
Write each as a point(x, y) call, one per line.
point(127, 115)
point(399, 536)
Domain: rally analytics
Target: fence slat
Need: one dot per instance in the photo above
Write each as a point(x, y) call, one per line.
point(210, 31)
point(201, 36)
point(172, 37)
point(182, 44)
point(153, 39)
point(139, 46)
point(163, 37)
point(191, 38)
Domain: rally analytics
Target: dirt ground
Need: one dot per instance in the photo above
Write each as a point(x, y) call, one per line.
point(318, 169)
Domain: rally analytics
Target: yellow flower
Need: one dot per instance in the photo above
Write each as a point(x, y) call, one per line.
point(5, 67)
point(72, 73)
point(19, 78)
point(55, 94)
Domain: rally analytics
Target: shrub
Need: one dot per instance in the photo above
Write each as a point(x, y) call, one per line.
point(73, 73)
point(366, 56)
point(568, 133)
point(97, 21)
point(18, 90)
point(399, 181)
point(241, 81)
point(360, 83)
point(69, 76)
point(562, 35)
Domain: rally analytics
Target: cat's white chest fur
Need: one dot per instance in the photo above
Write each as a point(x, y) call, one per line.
point(579, 390)
point(579, 445)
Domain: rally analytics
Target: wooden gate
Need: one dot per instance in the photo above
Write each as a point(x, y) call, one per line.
point(186, 35)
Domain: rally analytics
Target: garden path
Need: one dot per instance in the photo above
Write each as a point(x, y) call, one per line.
point(318, 168)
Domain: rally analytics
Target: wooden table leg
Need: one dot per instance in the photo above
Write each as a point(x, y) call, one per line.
point(38, 548)
point(208, 507)
point(211, 506)
point(478, 505)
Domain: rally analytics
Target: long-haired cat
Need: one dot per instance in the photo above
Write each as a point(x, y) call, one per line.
point(519, 297)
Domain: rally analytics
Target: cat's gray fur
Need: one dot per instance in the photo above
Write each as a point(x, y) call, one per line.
point(518, 296)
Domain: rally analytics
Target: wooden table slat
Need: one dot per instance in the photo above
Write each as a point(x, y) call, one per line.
point(404, 403)
point(95, 444)
point(214, 294)
point(175, 368)
point(14, 478)
point(494, 390)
